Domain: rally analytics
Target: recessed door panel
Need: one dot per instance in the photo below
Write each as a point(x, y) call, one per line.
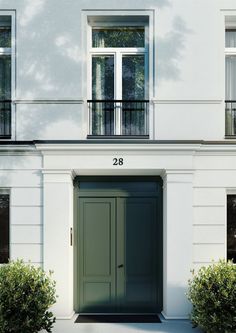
point(120, 255)
point(97, 254)
point(137, 245)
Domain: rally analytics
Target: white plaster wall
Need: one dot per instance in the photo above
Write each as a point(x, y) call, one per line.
point(188, 65)
point(214, 177)
point(21, 174)
point(198, 177)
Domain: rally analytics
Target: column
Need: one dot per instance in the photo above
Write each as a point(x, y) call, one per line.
point(57, 221)
point(177, 242)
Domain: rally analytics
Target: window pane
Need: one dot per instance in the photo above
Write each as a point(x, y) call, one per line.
point(102, 89)
point(103, 77)
point(118, 37)
point(231, 227)
point(133, 88)
point(230, 38)
point(5, 77)
point(4, 228)
point(133, 77)
point(230, 79)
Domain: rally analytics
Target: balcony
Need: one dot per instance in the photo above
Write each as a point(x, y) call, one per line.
point(230, 118)
point(109, 118)
point(5, 119)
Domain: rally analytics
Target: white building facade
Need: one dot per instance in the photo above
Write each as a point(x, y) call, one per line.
point(101, 92)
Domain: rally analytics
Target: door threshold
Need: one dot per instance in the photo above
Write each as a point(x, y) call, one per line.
point(118, 318)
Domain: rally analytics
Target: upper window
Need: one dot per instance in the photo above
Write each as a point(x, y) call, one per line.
point(118, 37)
point(231, 227)
point(230, 82)
point(4, 228)
point(5, 76)
point(119, 80)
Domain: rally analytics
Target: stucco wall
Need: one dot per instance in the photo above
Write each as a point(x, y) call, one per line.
point(187, 65)
point(21, 174)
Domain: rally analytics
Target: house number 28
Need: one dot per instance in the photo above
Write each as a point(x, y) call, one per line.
point(118, 161)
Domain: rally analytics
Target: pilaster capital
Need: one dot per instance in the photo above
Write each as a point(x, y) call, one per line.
point(177, 176)
point(58, 176)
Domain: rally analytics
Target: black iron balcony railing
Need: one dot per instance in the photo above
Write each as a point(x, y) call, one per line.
point(118, 117)
point(5, 119)
point(230, 117)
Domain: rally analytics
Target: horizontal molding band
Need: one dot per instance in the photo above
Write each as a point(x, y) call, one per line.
point(48, 101)
point(187, 101)
point(27, 244)
point(212, 206)
point(208, 225)
point(208, 244)
point(83, 101)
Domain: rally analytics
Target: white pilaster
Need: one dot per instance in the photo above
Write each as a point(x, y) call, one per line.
point(177, 242)
point(58, 252)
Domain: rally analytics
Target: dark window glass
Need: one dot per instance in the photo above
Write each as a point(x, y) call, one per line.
point(118, 37)
point(230, 38)
point(5, 36)
point(231, 227)
point(4, 228)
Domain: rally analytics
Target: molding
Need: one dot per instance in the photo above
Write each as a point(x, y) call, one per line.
point(187, 101)
point(58, 176)
point(48, 101)
point(78, 148)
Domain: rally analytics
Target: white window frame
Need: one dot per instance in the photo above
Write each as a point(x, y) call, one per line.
point(140, 17)
point(118, 53)
point(229, 52)
point(11, 52)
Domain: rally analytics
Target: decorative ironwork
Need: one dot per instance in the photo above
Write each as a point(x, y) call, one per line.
point(119, 117)
point(5, 119)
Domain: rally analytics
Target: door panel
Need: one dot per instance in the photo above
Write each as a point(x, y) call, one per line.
point(97, 258)
point(137, 245)
point(120, 254)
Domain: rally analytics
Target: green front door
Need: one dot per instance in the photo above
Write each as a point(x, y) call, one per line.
point(119, 256)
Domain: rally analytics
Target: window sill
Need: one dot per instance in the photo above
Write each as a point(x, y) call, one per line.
point(228, 137)
point(117, 137)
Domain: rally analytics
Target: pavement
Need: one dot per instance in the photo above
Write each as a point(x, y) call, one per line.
point(167, 326)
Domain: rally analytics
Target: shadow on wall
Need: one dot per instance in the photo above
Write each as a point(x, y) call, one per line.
point(50, 61)
point(171, 50)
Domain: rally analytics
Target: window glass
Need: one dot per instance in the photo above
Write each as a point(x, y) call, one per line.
point(230, 78)
point(4, 228)
point(103, 77)
point(118, 37)
point(133, 77)
point(231, 227)
point(230, 38)
point(5, 37)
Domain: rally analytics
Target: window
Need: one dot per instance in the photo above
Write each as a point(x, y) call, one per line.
point(230, 72)
point(118, 89)
point(231, 227)
point(4, 227)
point(5, 76)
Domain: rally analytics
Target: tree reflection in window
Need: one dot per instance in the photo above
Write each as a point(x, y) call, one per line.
point(231, 227)
point(118, 37)
point(4, 228)
point(5, 36)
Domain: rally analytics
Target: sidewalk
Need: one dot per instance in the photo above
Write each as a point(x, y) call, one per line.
point(167, 326)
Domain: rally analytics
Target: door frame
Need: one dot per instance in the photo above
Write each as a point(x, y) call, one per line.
point(104, 193)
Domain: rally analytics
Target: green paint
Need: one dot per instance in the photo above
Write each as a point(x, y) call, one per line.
point(119, 250)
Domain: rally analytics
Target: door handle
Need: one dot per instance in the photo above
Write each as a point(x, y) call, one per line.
point(120, 266)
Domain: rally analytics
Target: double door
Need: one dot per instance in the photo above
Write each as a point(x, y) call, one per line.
point(119, 262)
